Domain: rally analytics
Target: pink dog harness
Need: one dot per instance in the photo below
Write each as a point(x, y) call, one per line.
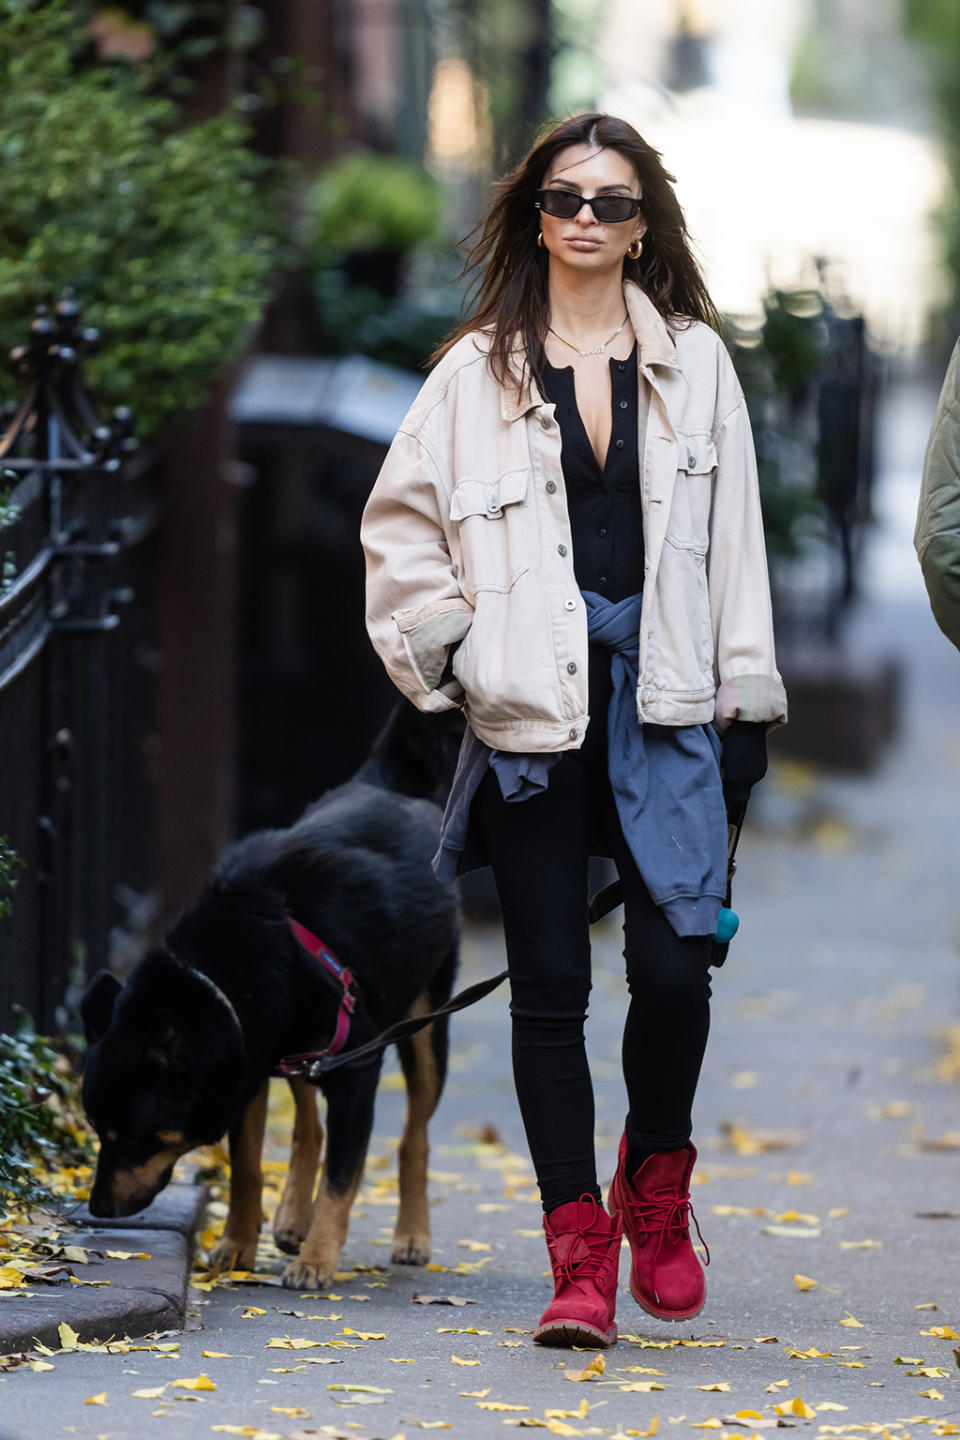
point(292, 1065)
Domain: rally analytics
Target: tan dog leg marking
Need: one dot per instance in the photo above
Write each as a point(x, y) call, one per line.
point(237, 1249)
point(292, 1220)
point(315, 1266)
point(411, 1236)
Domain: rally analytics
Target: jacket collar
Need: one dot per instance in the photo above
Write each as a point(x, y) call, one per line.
point(655, 343)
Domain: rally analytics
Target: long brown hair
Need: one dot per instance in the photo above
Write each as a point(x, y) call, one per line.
point(509, 268)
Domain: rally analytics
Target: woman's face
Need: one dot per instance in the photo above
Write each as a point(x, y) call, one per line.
point(583, 243)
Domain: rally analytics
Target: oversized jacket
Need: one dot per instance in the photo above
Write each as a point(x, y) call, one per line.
point(937, 536)
point(467, 539)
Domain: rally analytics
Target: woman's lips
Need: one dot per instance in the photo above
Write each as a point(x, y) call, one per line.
point(580, 242)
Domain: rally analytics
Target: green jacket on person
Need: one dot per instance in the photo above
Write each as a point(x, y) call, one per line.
point(937, 536)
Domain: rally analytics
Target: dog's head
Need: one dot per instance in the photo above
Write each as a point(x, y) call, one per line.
point(164, 1071)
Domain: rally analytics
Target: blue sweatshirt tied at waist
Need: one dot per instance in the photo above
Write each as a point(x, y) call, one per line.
point(665, 781)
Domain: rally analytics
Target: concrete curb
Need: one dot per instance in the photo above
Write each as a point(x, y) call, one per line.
point(142, 1296)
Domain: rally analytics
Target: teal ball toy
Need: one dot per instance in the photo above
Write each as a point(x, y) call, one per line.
point(728, 923)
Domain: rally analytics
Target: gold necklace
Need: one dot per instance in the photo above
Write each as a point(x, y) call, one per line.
point(594, 349)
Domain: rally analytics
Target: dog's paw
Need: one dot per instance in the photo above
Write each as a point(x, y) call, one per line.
point(301, 1275)
point(410, 1249)
point(231, 1253)
point(288, 1240)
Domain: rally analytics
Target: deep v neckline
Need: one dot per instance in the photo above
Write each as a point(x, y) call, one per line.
point(569, 378)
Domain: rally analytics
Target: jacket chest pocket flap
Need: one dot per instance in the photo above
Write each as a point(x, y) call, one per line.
point(689, 525)
point(493, 527)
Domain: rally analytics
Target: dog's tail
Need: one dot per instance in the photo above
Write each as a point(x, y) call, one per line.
point(415, 753)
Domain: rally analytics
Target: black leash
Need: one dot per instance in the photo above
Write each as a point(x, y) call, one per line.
point(315, 1067)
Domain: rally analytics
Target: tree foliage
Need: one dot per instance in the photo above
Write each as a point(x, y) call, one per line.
point(40, 1125)
point(167, 231)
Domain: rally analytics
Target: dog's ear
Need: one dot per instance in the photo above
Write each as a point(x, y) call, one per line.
point(96, 1006)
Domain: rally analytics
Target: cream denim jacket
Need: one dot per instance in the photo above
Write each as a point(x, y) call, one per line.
point(467, 539)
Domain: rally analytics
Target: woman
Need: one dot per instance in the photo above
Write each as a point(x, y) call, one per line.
point(565, 539)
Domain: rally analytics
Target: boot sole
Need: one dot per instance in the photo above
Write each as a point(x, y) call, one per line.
point(570, 1332)
point(677, 1316)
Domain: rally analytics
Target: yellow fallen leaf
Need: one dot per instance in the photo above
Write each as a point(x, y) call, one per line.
point(474, 1245)
point(474, 1394)
point(294, 1411)
point(748, 1415)
point(100, 1399)
point(852, 1321)
point(812, 1354)
point(592, 1371)
point(777, 1385)
point(700, 1344)
point(932, 1395)
point(931, 1372)
point(712, 1424)
point(719, 1385)
point(127, 1255)
point(362, 1334)
point(433, 1424)
point(839, 1212)
point(42, 1365)
point(637, 1387)
point(396, 1360)
point(153, 1394)
point(906, 1360)
point(640, 1370)
point(852, 1364)
point(199, 1382)
point(831, 1405)
point(861, 1244)
point(215, 1355)
point(797, 1217)
point(249, 1432)
point(796, 1407)
point(362, 1389)
point(457, 1360)
point(928, 1306)
point(941, 1332)
point(581, 1412)
point(472, 1330)
point(251, 1311)
point(499, 1405)
point(11, 1278)
point(803, 1282)
point(285, 1343)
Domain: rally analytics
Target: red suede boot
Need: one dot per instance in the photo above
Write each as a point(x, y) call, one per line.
point(666, 1276)
point(584, 1246)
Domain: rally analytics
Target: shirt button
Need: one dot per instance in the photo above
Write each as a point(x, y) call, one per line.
point(569, 604)
point(621, 368)
point(603, 582)
point(624, 404)
point(551, 487)
point(620, 444)
point(572, 667)
point(602, 533)
point(561, 549)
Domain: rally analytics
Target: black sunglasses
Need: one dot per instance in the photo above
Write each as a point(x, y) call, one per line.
point(607, 209)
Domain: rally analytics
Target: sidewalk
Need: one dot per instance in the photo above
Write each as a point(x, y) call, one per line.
point(828, 1122)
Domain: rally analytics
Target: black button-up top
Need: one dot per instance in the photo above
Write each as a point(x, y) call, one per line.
point(606, 520)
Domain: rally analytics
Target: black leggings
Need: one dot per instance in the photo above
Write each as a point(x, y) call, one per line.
point(538, 850)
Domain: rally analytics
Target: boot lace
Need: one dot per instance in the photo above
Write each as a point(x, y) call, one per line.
point(581, 1253)
point(665, 1213)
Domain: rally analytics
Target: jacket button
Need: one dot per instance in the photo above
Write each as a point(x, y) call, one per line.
point(573, 734)
point(561, 549)
point(572, 667)
point(545, 421)
point(569, 604)
point(551, 487)
point(691, 461)
point(493, 508)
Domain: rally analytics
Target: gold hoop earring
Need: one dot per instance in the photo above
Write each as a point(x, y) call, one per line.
point(636, 249)
point(540, 244)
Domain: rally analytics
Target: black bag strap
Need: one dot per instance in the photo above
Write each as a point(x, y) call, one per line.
point(315, 1067)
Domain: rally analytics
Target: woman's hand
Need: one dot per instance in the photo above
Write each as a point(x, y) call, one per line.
point(743, 759)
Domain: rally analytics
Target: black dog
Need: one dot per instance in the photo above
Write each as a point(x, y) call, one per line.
point(185, 1050)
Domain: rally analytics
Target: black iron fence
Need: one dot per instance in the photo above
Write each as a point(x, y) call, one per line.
point(78, 667)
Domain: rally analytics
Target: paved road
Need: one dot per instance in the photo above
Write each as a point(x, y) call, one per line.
point(829, 1134)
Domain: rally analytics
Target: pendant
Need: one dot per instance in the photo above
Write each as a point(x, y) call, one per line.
point(597, 350)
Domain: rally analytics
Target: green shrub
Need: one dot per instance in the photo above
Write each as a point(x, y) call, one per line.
point(166, 231)
point(41, 1129)
point(371, 202)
